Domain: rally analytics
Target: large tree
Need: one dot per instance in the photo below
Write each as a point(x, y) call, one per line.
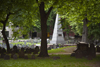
point(45, 7)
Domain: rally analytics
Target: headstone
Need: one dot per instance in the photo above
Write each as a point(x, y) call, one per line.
point(92, 51)
point(2, 55)
point(15, 49)
point(56, 57)
point(15, 56)
point(33, 57)
point(6, 57)
point(12, 54)
point(28, 51)
point(57, 33)
point(3, 50)
point(21, 53)
point(78, 54)
point(36, 50)
point(25, 57)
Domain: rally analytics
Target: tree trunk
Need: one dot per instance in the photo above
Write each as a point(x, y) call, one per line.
point(3, 31)
point(43, 51)
point(85, 30)
point(5, 37)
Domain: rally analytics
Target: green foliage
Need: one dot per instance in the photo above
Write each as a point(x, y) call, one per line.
point(76, 11)
point(94, 31)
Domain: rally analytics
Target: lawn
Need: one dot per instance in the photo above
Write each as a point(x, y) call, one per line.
point(64, 61)
point(60, 50)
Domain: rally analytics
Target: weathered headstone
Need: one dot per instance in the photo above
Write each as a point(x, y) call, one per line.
point(2, 55)
point(3, 50)
point(15, 49)
point(36, 50)
point(28, 51)
point(33, 57)
point(25, 57)
point(15, 56)
point(92, 51)
point(21, 53)
point(56, 57)
point(6, 57)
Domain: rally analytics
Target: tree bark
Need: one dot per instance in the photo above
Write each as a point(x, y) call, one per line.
point(3, 31)
point(5, 37)
point(85, 30)
point(43, 51)
point(44, 16)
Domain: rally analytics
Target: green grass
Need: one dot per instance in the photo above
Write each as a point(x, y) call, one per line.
point(64, 61)
point(58, 50)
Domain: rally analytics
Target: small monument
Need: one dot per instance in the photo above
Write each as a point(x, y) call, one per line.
point(57, 33)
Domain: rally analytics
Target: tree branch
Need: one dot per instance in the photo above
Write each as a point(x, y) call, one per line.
point(47, 14)
point(7, 17)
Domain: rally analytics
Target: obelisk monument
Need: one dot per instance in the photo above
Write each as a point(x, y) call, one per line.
point(57, 33)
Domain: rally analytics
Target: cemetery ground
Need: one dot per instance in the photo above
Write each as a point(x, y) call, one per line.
point(59, 57)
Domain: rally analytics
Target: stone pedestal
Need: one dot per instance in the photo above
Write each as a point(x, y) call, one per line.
point(57, 33)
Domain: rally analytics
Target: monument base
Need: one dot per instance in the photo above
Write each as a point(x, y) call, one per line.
point(58, 42)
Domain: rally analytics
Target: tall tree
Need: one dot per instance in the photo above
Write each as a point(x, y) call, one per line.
point(44, 17)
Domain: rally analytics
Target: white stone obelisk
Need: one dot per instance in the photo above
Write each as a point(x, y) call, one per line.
point(57, 33)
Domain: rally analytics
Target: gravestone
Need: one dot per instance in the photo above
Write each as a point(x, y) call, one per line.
point(36, 50)
point(25, 57)
point(3, 50)
point(28, 51)
point(2, 55)
point(56, 57)
point(33, 57)
point(57, 33)
point(21, 53)
point(12, 54)
point(92, 51)
point(6, 57)
point(15, 56)
point(15, 49)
